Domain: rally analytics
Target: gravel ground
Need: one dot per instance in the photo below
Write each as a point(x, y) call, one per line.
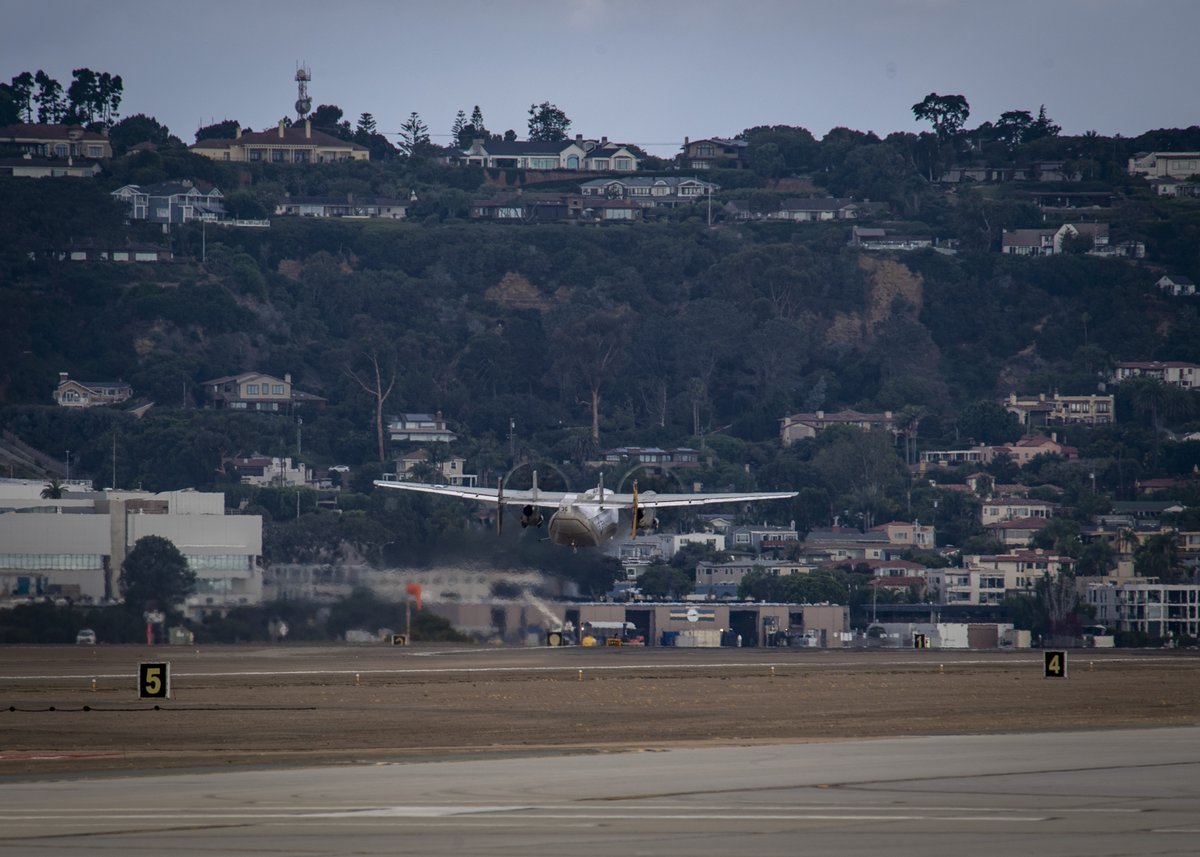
point(286, 705)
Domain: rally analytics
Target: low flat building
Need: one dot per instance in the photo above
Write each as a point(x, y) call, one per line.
point(74, 547)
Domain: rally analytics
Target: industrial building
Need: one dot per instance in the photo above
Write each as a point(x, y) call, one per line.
point(72, 546)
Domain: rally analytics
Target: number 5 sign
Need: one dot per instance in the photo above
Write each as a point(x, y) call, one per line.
point(154, 680)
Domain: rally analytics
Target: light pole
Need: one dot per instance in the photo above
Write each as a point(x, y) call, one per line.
point(68, 479)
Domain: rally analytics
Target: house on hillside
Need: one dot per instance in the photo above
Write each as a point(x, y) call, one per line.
point(1176, 285)
point(295, 144)
point(1175, 188)
point(715, 153)
point(993, 510)
point(1174, 372)
point(800, 210)
point(375, 207)
point(530, 207)
point(868, 238)
point(798, 426)
point(1047, 242)
point(662, 459)
point(56, 141)
point(647, 191)
point(89, 394)
point(1015, 532)
point(450, 470)
point(419, 428)
point(1031, 446)
point(1174, 165)
point(1039, 410)
point(38, 167)
point(577, 154)
point(172, 202)
point(256, 391)
point(264, 470)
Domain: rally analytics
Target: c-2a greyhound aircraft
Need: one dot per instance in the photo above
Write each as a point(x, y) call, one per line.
point(586, 519)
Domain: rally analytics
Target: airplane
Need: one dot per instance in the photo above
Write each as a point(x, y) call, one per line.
point(586, 519)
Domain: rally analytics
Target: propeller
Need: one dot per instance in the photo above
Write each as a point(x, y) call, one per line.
point(499, 506)
point(635, 510)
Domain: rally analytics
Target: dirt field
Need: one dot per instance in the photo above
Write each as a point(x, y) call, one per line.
point(337, 704)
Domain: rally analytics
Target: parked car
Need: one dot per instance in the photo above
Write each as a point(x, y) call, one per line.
point(86, 637)
point(340, 468)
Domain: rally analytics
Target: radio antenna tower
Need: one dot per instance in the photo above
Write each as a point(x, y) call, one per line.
point(303, 102)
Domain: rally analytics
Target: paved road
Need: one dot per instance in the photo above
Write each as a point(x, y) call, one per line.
point(1099, 794)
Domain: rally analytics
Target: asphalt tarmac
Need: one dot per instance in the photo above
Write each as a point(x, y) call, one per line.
point(734, 752)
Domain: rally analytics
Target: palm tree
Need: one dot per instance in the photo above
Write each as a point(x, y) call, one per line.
point(53, 490)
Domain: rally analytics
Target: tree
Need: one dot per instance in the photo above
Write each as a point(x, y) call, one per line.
point(591, 349)
point(22, 93)
point(1158, 557)
point(155, 575)
point(224, 130)
point(1041, 127)
point(328, 118)
point(53, 490)
point(456, 130)
point(988, 422)
point(49, 98)
point(1012, 128)
point(414, 136)
point(139, 128)
point(93, 97)
point(366, 124)
point(10, 112)
point(946, 113)
point(547, 122)
point(376, 388)
point(664, 582)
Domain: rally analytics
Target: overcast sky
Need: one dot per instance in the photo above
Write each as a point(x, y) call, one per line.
point(640, 71)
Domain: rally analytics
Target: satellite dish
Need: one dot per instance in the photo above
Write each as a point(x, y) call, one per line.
point(303, 105)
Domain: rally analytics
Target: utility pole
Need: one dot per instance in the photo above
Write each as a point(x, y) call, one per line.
point(114, 462)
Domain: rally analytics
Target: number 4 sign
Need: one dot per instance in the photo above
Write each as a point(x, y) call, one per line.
point(1056, 665)
point(154, 680)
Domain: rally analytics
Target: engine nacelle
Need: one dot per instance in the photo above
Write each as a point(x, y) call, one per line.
point(531, 517)
point(646, 519)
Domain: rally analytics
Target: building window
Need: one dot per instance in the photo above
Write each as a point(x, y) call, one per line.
point(277, 156)
point(95, 151)
point(277, 389)
point(251, 389)
point(256, 155)
point(623, 163)
point(60, 150)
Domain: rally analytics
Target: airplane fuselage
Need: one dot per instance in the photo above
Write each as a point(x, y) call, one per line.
point(582, 524)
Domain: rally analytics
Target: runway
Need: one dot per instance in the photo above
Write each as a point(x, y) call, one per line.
point(1098, 794)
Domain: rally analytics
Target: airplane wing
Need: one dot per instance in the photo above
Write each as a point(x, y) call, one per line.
point(658, 501)
point(545, 499)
